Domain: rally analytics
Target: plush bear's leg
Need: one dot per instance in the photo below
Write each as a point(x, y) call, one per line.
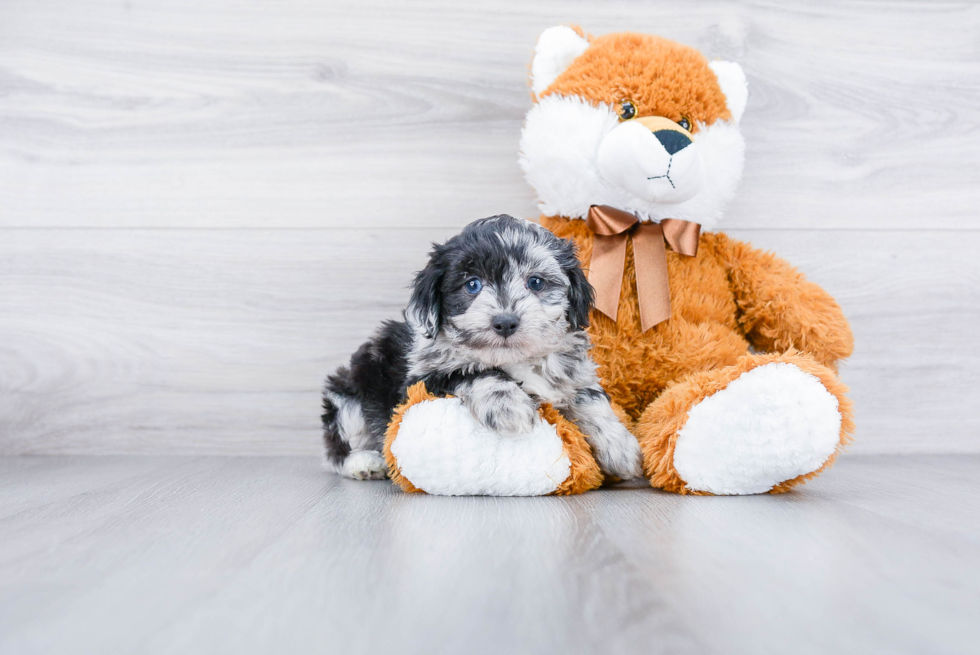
point(436, 445)
point(764, 424)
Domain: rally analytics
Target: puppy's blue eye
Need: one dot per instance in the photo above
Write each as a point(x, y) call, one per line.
point(535, 283)
point(473, 286)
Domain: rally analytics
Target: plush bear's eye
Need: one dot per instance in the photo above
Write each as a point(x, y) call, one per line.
point(683, 122)
point(534, 283)
point(626, 110)
point(473, 286)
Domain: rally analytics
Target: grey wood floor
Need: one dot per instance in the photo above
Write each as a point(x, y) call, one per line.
point(190, 554)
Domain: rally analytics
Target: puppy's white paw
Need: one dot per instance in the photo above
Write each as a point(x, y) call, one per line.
point(617, 451)
point(501, 405)
point(365, 465)
point(517, 417)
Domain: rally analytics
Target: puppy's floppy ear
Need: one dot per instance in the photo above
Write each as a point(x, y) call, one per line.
point(425, 307)
point(581, 295)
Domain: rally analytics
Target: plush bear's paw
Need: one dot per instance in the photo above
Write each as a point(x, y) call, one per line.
point(365, 465)
point(442, 449)
point(773, 423)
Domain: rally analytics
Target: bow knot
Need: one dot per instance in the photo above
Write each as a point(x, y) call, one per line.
point(612, 228)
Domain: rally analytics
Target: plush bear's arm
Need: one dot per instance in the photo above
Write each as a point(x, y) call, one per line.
point(780, 309)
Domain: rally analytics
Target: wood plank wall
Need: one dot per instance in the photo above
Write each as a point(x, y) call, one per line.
point(206, 205)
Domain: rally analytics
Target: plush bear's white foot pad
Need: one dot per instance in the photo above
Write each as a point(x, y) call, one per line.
point(365, 465)
point(443, 450)
point(771, 424)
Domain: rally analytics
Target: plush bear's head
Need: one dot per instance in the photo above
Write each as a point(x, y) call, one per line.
point(633, 121)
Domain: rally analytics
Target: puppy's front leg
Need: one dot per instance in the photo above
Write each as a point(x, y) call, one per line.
point(498, 402)
point(614, 447)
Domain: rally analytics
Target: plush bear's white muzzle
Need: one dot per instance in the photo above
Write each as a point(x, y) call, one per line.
point(667, 169)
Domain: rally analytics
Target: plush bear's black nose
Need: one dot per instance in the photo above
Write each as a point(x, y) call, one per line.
point(505, 324)
point(672, 140)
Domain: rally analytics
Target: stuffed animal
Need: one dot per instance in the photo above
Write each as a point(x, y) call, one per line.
point(434, 445)
point(724, 357)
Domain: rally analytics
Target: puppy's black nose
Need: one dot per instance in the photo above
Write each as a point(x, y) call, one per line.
point(505, 324)
point(672, 140)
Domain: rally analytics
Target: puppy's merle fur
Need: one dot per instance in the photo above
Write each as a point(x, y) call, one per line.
point(496, 318)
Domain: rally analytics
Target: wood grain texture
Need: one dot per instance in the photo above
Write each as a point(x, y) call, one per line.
point(255, 555)
point(374, 127)
point(217, 341)
point(380, 113)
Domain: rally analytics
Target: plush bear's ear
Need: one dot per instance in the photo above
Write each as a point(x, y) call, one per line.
point(733, 84)
point(557, 48)
point(424, 310)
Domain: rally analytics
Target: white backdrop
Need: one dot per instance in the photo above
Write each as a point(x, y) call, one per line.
point(206, 205)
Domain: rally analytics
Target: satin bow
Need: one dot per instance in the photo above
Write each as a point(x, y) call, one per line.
point(612, 228)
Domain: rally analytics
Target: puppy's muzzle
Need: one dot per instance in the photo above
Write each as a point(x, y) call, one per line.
point(505, 324)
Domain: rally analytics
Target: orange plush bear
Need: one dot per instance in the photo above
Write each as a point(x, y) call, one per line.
point(723, 356)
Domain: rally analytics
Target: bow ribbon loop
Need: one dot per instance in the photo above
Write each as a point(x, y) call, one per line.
point(613, 228)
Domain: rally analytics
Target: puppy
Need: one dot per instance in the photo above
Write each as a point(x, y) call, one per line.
point(497, 319)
